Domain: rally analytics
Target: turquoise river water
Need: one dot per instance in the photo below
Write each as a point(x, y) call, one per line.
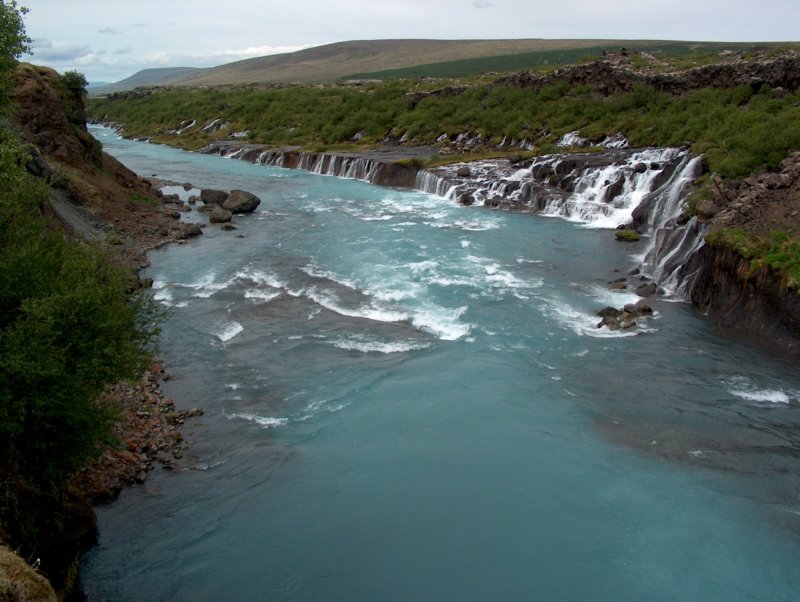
point(407, 399)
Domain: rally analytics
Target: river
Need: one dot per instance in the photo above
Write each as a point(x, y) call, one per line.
point(408, 399)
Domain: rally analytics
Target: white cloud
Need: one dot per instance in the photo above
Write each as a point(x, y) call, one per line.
point(58, 51)
point(254, 51)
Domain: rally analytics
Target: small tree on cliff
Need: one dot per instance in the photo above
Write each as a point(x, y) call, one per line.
point(13, 43)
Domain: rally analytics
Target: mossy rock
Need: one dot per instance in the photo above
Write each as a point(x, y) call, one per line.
point(627, 235)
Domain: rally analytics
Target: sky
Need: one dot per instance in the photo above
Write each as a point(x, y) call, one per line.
point(109, 40)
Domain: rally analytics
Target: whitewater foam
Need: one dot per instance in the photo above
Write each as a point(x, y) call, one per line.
point(442, 322)
point(747, 390)
point(266, 422)
point(229, 330)
point(366, 344)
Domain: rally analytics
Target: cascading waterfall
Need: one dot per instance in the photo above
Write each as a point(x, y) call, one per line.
point(672, 243)
point(642, 188)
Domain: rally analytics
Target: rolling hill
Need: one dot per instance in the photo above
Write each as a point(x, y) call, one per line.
point(381, 59)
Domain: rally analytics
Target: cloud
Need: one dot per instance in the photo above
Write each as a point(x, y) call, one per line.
point(58, 52)
point(251, 52)
point(109, 31)
point(482, 4)
point(122, 51)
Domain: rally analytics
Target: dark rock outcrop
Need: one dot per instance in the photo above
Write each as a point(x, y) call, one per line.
point(732, 294)
point(220, 215)
point(611, 75)
point(213, 197)
point(241, 201)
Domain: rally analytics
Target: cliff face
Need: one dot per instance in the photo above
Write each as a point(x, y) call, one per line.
point(724, 284)
point(88, 185)
point(753, 302)
point(93, 196)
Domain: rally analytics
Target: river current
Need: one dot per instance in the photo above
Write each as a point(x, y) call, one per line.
point(408, 399)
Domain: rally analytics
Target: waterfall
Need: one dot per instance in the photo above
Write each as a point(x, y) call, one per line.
point(605, 195)
point(642, 188)
point(600, 190)
point(671, 242)
point(434, 183)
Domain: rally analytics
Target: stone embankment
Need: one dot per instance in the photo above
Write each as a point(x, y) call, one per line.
point(616, 73)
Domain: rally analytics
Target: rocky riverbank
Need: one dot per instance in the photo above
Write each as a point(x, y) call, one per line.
point(149, 432)
point(93, 197)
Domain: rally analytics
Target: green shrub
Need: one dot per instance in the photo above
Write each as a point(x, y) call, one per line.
point(74, 82)
point(68, 328)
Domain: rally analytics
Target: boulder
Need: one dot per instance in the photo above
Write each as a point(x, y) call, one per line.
point(638, 309)
point(467, 199)
point(626, 235)
point(220, 215)
point(190, 230)
point(464, 172)
point(608, 312)
point(647, 289)
point(213, 197)
point(241, 201)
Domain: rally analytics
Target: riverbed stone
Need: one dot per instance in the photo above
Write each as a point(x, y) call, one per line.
point(241, 201)
point(220, 215)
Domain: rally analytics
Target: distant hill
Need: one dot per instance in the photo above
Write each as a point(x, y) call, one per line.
point(343, 59)
point(146, 77)
point(403, 58)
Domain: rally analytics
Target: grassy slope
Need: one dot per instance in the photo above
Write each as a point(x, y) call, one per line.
point(387, 59)
point(343, 59)
point(546, 58)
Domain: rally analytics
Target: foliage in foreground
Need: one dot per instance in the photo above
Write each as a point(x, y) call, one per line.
point(68, 325)
point(67, 329)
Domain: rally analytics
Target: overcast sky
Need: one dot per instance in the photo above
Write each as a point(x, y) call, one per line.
point(109, 40)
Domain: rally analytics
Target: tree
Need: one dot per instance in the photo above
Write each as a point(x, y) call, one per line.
point(13, 43)
point(75, 82)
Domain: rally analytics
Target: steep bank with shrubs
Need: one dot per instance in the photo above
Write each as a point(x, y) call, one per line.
point(75, 327)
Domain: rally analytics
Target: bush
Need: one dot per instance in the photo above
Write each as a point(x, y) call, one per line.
point(74, 82)
point(68, 328)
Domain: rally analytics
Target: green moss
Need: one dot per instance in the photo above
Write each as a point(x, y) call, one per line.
point(143, 198)
point(627, 235)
